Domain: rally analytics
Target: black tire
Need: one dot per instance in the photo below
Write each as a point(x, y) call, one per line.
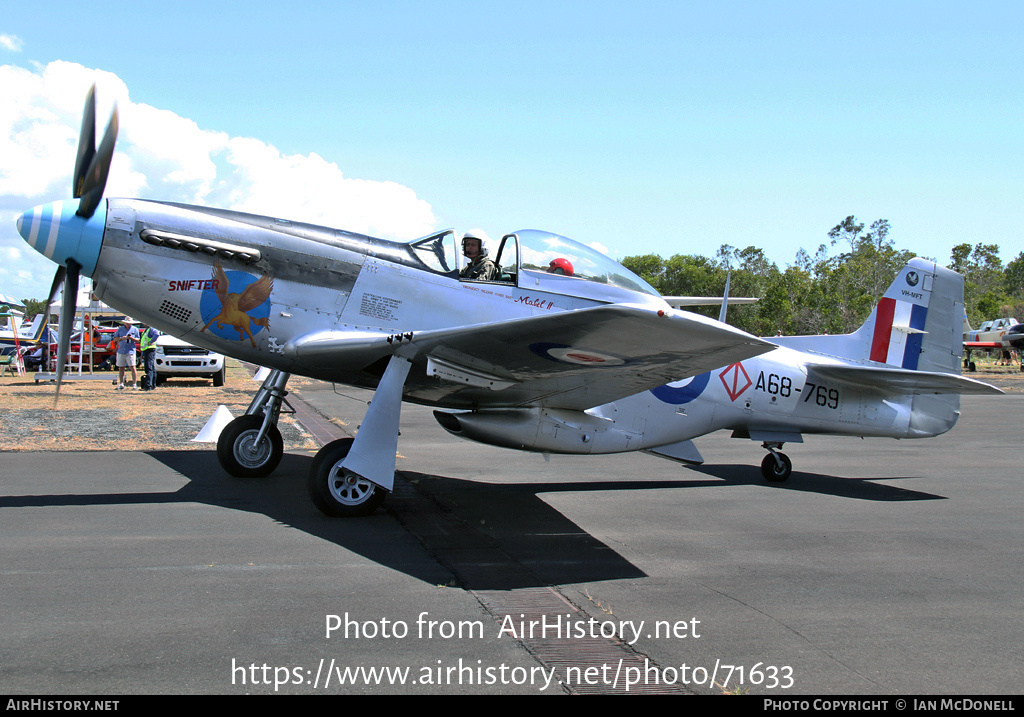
point(240, 457)
point(339, 494)
point(772, 472)
point(218, 378)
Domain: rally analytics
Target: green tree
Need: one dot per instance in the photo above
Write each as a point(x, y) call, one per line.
point(1013, 276)
point(33, 307)
point(984, 280)
point(649, 267)
point(826, 293)
point(855, 280)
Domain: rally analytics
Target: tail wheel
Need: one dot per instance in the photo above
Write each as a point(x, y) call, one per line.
point(776, 471)
point(338, 492)
point(239, 453)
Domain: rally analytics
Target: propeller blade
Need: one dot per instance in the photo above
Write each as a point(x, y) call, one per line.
point(86, 143)
point(67, 321)
point(58, 279)
point(99, 167)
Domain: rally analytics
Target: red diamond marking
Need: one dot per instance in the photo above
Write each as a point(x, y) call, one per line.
point(735, 380)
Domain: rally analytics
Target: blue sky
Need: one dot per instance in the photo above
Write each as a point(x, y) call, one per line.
point(636, 127)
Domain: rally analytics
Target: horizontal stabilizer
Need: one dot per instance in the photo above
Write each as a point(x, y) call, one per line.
point(678, 302)
point(905, 382)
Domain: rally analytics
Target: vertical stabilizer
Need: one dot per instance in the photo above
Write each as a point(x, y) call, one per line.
point(918, 323)
point(38, 326)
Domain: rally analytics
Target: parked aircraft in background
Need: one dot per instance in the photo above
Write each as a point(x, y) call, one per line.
point(592, 361)
point(1006, 334)
point(13, 334)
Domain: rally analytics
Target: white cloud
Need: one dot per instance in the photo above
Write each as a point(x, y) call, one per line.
point(161, 155)
point(261, 180)
point(11, 42)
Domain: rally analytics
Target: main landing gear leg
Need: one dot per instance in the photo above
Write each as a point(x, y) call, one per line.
point(968, 364)
point(350, 477)
point(251, 445)
point(776, 466)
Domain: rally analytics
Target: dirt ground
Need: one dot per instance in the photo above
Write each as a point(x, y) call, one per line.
point(1008, 378)
point(92, 416)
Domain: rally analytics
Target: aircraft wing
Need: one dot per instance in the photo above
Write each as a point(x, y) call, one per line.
point(901, 381)
point(569, 359)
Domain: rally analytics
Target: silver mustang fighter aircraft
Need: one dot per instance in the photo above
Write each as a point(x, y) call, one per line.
point(563, 351)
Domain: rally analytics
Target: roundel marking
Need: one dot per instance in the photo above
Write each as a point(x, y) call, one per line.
point(680, 392)
point(574, 355)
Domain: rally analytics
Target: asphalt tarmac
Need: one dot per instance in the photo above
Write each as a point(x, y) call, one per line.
point(880, 568)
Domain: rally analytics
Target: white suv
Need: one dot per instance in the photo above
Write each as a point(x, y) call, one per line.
point(175, 357)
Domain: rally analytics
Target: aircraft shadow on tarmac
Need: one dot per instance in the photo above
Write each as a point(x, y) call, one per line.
point(522, 542)
point(477, 535)
point(859, 488)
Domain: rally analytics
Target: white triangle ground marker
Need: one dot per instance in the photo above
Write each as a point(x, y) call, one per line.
point(211, 431)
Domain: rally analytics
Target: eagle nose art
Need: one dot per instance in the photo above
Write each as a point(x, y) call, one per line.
point(58, 233)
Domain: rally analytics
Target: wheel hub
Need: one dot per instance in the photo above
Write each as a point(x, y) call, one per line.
point(349, 488)
point(249, 452)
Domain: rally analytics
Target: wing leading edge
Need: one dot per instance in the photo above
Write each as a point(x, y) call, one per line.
point(571, 359)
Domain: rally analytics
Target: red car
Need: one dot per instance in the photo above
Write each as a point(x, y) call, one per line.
point(102, 354)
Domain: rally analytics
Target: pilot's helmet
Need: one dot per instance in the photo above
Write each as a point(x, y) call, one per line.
point(471, 235)
point(560, 266)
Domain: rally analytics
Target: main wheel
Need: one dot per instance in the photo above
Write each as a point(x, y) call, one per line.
point(772, 471)
point(241, 456)
point(338, 492)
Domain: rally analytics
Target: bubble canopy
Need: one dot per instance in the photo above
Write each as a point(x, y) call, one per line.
point(549, 253)
point(532, 256)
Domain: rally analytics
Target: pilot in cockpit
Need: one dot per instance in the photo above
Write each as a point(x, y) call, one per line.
point(479, 267)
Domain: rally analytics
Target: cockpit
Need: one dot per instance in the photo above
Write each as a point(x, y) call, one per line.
point(540, 260)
